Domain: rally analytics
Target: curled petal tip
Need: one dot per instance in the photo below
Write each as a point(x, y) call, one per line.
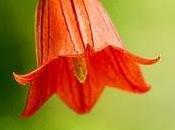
point(145, 61)
point(152, 61)
point(27, 78)
point(20, 79)
point(140, 60)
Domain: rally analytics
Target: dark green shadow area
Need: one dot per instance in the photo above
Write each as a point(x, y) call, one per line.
point(11, 59)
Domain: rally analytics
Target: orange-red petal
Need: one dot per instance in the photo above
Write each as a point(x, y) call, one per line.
point(110, 67)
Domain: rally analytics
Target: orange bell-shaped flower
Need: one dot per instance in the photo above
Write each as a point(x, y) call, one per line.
point(79, 53)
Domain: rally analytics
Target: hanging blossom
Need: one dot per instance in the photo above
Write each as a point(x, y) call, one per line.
point(79, 53)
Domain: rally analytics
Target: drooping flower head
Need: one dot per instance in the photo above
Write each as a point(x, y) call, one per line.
point(79, 53)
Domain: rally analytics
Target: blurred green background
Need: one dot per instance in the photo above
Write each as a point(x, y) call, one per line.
point(148, 29)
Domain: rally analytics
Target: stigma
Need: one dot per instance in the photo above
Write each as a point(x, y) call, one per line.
point(80, 69)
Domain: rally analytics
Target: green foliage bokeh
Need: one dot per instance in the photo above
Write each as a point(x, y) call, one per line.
point(146, 26)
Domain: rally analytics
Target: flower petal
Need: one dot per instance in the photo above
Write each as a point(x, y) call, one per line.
point(66, 27)
point(138, 59)
point(57, 30)
point(44, 82)
point(103, 31)
point(81, 97)
point(27, 78)
point(111, 66)
point(120, 69)
point(58, 76)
